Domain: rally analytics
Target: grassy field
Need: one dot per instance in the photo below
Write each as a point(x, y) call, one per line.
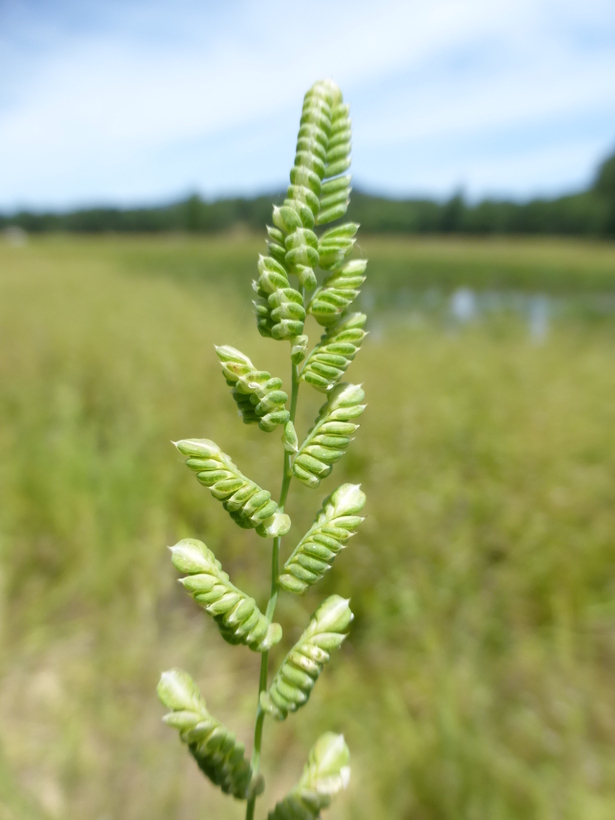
point(478, 681)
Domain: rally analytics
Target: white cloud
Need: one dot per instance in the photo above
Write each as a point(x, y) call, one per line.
point(533, 94)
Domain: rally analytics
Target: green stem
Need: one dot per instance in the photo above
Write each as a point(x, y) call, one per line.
point(273, 598)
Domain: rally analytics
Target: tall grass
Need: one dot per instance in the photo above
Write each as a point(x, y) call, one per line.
point(484, 646)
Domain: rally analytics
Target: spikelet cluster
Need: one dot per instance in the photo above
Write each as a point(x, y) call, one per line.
point(249, 505)
point(316, 195)
point(338, 290)
point(239, 619)
point(336, 522)
point(279, 307)
point(216, 750)
point(329, 360)
point(335, 189)
point(256, 392)
point(326, 773)
point(292, 684)
point(327, 441)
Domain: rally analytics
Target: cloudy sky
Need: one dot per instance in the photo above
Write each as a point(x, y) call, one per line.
point(142, 101)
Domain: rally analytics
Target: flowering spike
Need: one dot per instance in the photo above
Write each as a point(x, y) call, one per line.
point(257, 394)
point(335, 190)
point(279, 307)
point(239, 619)
point(331, 434)
point(338, 290)
point(291, 687)
point(329, 360)
point(248, 505)
point(326, 773)
point(216, 750)
point(336, 522)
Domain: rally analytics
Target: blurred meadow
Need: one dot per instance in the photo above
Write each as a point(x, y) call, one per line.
point(479, 678)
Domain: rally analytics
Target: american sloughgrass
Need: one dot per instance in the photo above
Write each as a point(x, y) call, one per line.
point(286, 288)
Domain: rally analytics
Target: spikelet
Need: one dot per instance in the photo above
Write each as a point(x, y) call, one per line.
point(257, 394)
point(328, 439)
point(336, 244)
point(239, 619)
point(248, 505)
point(336, 522)
point(329, 360)
point(326, 773)
point(293, 682)
point(338, 290)
point(334, 199)
point(298, 349)
point(216, 750)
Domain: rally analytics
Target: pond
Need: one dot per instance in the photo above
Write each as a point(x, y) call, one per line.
point(466, 306)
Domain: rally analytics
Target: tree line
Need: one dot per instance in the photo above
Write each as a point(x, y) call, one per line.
point(589, 213)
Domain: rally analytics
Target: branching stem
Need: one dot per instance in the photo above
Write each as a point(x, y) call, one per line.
point(273, 597)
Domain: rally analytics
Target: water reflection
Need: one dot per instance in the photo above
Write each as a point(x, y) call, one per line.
point(539, 318)
point(466, 306)
point(463, 306)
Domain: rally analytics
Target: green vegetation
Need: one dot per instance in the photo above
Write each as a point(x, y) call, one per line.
point(587, 213)
point(531, 264)
point(478, 678)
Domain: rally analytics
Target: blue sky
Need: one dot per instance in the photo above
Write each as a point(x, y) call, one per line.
point(133, 102)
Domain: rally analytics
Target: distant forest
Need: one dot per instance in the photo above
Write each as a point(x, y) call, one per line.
point(589, 213)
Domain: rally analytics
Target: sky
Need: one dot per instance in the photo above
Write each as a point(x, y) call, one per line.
point(129, 102)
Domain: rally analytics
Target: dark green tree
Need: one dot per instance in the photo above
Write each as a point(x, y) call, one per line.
point(605, 188)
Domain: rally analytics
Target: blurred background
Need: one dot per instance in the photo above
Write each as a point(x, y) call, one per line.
point(141, 147)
